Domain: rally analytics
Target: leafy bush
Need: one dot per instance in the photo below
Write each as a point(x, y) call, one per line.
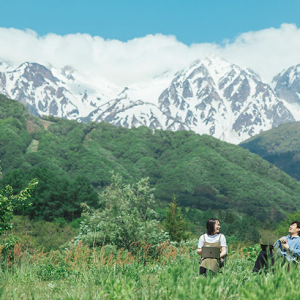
point(48, 271)
point(125, 215)
point(7, 246)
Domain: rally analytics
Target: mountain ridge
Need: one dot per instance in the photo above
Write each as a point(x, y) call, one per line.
point(210, 96)
point(202, 171)
point(279, 146)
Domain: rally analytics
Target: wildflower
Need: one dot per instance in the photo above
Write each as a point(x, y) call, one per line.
point(51, 286)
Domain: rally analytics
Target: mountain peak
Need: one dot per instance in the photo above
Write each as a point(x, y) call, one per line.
point(287, 85)
point(210, 96)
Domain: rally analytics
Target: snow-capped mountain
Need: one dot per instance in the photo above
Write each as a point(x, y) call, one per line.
point(49, 92)
point(211, 96)
point(221, 99)
point(287, 86)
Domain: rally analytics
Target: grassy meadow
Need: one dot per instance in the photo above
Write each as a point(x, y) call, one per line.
point(83, 273)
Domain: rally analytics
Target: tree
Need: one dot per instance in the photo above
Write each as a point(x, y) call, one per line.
point(229, 217)
point(124, 216)
point(50, 196)
point(143, 199)
point(174, 223)
point(80, 191)
point(10, 202)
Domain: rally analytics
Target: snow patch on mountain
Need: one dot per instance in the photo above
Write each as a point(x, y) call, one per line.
point(211, 96)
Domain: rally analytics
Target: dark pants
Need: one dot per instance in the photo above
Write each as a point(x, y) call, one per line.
point(264, 261)
point(202, 271)
point(205, 271)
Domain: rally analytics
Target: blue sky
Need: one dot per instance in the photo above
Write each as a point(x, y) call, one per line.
point(191, 21)
point(125, 41)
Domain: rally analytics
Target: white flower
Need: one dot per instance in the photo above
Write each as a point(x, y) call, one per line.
point(51, 286)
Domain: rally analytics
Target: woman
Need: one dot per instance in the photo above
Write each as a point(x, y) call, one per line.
point(212, 238)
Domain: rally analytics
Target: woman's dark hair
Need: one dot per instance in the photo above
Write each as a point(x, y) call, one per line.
point(298, 225)
point(210, 226)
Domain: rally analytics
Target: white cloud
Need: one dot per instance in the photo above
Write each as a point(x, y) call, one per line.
point(267, 52)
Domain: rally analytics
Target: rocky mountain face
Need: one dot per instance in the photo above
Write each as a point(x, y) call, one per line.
point(223, 100)
point(211, 96)
point(287, 84)
point(41, 91)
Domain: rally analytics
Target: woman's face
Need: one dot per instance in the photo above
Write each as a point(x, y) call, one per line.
point(217, 227)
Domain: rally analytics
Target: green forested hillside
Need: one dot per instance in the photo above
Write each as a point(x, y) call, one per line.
point(203, 172)
point(280, 146)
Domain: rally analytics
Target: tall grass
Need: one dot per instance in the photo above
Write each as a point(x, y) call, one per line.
point(83, 273)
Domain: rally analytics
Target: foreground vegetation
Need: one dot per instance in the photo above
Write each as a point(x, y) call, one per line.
point(83, 273)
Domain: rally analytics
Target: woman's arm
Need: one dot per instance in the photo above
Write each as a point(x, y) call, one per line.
point(223, 251)
point(199, 251)
point(200, 245)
